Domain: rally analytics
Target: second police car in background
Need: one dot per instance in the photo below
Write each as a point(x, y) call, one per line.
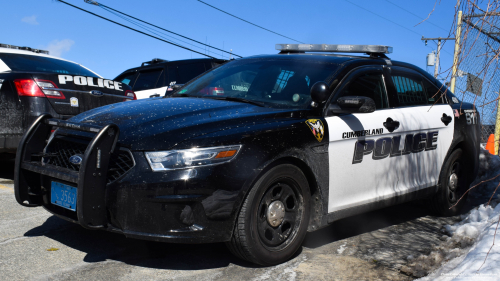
point(293, 142)
point(32, 82)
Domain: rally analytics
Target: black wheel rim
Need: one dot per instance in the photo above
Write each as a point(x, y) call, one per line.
point(281, 193)
point(454, 183)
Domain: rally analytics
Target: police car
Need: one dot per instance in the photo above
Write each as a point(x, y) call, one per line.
point(32, 83)
point(159, 77)
point(293, 142)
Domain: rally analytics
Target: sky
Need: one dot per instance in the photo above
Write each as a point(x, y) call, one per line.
point(109, 49)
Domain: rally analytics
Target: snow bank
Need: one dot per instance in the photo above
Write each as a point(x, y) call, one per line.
point(469, 241)
point(478, 230)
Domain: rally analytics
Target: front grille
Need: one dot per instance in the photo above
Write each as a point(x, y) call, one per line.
point(60, 150)
point(119, 164)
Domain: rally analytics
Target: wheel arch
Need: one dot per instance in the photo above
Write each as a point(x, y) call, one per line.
point(315, 220)
point(468, 153)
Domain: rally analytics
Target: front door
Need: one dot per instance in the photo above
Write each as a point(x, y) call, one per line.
point(361, 167)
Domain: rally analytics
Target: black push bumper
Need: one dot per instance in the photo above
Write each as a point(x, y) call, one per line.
point(139, 204)
point(29, 187)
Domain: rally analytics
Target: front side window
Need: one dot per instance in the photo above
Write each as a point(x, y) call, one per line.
point(127, 78)
point(367, 84)
point(27, 63)
point(276, 83)
point(412, 89)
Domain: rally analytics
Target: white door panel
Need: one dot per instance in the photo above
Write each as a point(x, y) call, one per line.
point(422, 169)
point(352, 184)
point(144, 94)
point(386, 164)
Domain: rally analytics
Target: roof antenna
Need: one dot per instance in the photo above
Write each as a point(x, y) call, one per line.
point(91, 2)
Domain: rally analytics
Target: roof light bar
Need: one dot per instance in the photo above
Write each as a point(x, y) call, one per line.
point(24, 49)
point(334, 48)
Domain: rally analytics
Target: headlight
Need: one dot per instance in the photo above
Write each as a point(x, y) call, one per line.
point(189, 158)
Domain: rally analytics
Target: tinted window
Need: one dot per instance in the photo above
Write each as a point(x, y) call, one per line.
point(147, 79)
point(27, 63)
point(127, 78)
point(184, 72)
point(367, 85)
point(412, 89)
point(277, 83)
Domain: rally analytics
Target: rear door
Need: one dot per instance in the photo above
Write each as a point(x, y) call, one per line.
point(428, 122)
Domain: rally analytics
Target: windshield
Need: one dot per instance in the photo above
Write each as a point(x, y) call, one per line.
point(27, 63)
point(274, 83)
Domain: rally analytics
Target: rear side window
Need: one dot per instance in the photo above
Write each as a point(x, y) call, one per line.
point(412, 89)
point(27, 63)
point(147, 79)
point(184, 72)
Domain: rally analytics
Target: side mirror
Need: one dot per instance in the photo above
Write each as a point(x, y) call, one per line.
point(319, 93)
point(176, 86)
point(173, 88)
point(353, 104)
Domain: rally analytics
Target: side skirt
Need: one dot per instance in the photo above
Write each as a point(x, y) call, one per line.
point(411, 196)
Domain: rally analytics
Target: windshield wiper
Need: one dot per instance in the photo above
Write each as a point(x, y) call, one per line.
point(261, 104)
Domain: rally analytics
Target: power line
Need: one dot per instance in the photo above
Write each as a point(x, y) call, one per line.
point(390, 21)
point(153, 31)
point(384, 18)
point(416, 15)
point(180, 46)
point(106, 7)
point(248, 21)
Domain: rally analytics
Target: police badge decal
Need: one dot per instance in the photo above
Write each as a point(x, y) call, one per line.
point(316, 127)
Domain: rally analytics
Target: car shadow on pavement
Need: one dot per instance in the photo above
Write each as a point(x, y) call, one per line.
point(102, 245)
point(399, 214)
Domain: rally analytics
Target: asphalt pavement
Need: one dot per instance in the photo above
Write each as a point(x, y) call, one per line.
point(34, 245)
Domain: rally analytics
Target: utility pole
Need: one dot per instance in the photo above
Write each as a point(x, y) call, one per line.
point(439, 39)
point(458, 33)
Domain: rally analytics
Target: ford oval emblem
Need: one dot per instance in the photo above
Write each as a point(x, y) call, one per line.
point(76, 159)
point(97, 93)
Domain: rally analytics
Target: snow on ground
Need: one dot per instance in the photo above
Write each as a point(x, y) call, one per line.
point(465, 248)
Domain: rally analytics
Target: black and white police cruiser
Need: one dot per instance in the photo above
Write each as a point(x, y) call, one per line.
point(32, 82)
point(296, 141)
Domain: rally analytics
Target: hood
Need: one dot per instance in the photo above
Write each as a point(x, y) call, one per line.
point(161, 123)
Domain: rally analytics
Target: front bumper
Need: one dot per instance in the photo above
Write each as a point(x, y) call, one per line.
point(185, 206)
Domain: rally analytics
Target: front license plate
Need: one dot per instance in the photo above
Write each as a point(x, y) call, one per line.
point(63, 195)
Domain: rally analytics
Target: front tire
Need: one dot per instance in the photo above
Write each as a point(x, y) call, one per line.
point(453, 182)
point(273, 219)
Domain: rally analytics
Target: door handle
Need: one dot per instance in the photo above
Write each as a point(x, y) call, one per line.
point(391, 125)
point(446, 119)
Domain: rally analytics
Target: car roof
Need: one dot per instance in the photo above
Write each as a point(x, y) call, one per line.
point(186, 61)
point(341, 59)
point(30, 53)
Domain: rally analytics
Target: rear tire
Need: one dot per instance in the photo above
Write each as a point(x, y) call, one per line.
point(453, 182)
point(273, 219)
